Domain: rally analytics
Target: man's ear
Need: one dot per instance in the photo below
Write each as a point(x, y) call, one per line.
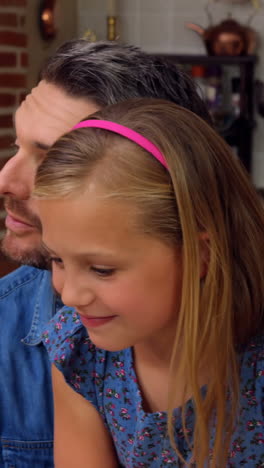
point(204, 246)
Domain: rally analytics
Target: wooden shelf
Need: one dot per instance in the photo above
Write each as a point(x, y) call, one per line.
point(210, 59)
point(240, 133)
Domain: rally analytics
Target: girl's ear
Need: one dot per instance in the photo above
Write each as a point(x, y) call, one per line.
point(204, 245)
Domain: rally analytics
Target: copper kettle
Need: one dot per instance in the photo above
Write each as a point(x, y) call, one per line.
point(227, 38)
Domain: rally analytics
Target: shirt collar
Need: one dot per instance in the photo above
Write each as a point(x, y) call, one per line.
point(46, 305)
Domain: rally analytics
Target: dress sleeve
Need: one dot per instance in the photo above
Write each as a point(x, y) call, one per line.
point(253, 380)
point(260, 379)
point(71, 350)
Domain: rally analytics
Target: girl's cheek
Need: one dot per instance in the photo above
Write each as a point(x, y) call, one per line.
point(57, 279)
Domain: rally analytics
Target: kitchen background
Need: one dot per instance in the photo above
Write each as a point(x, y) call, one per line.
point(158, 26)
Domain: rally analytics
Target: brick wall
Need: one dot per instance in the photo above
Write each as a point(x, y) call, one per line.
point(13, 83)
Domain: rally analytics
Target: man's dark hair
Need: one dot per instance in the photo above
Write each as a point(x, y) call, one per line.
point(108, 72)
point(261, 192)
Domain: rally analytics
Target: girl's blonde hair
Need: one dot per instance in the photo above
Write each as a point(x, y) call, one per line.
point(205, 192)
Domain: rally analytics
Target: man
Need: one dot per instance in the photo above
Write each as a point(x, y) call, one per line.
point(79, 79)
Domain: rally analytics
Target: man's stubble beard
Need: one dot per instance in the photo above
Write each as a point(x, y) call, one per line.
point(36, 257)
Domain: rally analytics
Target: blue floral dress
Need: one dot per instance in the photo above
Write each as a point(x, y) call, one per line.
point(108, 381)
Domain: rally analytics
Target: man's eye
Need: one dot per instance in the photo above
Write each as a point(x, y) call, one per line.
point(15, 148)
point(105, 272)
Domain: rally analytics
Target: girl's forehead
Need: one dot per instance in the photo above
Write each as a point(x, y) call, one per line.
point(96, 228)
point(87, 215)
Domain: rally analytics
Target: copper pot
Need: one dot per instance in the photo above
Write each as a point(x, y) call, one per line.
point(227, 38)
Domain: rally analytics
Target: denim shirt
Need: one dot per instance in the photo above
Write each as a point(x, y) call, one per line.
point(27, 302)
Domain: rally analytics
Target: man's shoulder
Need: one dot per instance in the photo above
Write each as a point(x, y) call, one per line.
point(22, 276)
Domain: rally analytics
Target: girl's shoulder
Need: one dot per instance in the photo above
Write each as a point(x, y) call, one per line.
point(72, 352)
point(62, 334)
point(67, 342)
point(83, 365)
point(252, 354)
point(252, 375)
point(247, 445)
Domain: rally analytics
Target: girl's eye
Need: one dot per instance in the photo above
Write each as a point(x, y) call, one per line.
point(56, 261)
point(105, 272)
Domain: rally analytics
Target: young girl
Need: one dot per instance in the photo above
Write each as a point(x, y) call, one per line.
point(156, 241)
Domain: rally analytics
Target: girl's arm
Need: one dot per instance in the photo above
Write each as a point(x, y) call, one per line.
point(80, 437)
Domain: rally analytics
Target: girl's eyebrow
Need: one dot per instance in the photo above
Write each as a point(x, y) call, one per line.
point(96, 254)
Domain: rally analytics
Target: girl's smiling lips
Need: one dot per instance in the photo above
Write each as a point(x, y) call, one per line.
point(93, 322)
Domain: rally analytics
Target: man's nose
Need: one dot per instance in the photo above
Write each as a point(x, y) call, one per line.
point(17, 177)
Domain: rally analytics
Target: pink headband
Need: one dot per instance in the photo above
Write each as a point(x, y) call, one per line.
point(127, 133)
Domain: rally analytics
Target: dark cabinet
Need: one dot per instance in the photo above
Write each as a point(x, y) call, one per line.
point(235, 125)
